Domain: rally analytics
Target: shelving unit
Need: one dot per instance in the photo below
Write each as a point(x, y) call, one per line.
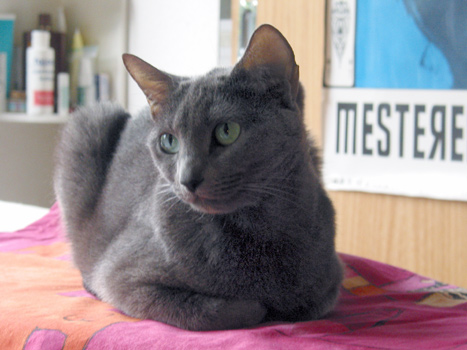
point(27, 143)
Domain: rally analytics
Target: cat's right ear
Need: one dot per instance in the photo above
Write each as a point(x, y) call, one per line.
point(268, 48)
point(155, 84)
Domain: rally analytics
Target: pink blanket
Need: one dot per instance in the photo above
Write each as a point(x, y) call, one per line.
point(43, 306)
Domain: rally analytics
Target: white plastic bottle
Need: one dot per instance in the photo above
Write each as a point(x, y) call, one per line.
point(40, 68)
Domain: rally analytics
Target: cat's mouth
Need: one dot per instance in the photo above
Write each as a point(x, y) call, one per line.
point(210, 205)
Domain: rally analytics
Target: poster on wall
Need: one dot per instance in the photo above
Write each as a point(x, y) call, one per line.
point(402, 127)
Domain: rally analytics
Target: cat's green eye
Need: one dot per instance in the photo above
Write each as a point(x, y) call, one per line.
point(169, 143)
point(227, 133)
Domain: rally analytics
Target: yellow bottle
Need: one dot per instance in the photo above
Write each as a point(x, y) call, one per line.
point(75, 61)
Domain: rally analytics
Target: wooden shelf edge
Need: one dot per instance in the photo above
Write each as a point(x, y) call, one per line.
point(32, 119)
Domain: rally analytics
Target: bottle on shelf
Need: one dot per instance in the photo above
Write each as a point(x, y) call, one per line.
point(76, 56)
point(57, 42)
point(40, 62)
point(63, 94)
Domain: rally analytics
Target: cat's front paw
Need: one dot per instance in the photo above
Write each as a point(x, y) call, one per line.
point(230, 314)
point(242, 314)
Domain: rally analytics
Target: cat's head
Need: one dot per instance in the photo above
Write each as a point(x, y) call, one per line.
point(228, 139)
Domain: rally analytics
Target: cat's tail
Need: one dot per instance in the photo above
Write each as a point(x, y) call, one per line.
point(84, 154)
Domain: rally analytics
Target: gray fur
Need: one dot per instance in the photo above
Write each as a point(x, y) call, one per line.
point(260, 249)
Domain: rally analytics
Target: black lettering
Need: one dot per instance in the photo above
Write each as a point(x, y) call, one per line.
point(367, 128)
point(440, 135)
point(418, 131)
point(402, 109)
point(347, 108)
point(381, 108)
point(456, 132)
point(354, 147)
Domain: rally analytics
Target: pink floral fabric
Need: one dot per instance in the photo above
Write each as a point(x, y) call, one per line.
point(44, 306)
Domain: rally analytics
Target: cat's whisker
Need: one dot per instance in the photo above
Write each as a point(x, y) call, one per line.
point(176, 201)
point(225, 186)
point(260, 189)
point(169, 196)
point(169, 199)
point(166, 192)
point(167, 189)
point(279, 188)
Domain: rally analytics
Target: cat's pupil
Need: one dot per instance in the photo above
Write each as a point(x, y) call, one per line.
point(227, 133)
point(169, 143)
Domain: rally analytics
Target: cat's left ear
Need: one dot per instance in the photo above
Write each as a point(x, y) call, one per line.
point(155, 84)
point(269, 48)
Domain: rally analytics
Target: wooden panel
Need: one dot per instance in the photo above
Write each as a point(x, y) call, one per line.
point(422, 235)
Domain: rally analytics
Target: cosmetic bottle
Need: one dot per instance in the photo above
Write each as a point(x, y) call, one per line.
point(7, 26)
point(3, 75)
point(40, 62)
point(75, 62)
point(57, 41)
point(17, 101)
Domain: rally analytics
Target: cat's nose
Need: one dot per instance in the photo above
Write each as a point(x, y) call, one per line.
point(192, 183)
point(191, 174)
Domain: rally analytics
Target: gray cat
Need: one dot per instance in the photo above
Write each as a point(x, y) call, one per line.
point(206, 211)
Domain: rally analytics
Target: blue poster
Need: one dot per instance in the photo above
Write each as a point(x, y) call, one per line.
point(411, 44)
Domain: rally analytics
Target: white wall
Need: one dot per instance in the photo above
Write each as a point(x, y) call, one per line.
point(179, 37)
point(27, 162)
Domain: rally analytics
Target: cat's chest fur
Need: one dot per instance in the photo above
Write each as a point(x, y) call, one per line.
point(249, 254)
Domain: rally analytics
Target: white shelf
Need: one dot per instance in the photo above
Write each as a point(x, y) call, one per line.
point(32, 119)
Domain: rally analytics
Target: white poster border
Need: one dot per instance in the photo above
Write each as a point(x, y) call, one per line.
point(396, 141)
